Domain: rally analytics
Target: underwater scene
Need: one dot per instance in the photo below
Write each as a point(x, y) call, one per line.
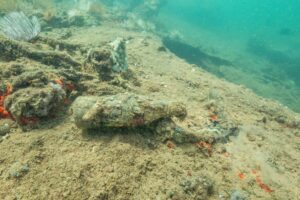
point(150, 99)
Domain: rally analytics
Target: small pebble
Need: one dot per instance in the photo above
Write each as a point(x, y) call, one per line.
point(4, 129)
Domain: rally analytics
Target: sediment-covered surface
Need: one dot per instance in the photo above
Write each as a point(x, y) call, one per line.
point(250, 147)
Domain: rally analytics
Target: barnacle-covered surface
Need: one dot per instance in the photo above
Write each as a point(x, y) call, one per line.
point(123, 110)
point(226, 143)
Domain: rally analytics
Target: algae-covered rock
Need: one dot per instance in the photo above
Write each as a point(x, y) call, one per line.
point(118, 55)
point(17, 170)
point(36, 78)
point(238, 195)
point(12, 50)
point(10, 69)
point(31, 103)
point(198, 188)
point(107, 60)
point(123, 110)
point(5, 126)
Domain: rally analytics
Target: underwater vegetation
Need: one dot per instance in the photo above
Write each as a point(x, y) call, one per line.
point(17, 26)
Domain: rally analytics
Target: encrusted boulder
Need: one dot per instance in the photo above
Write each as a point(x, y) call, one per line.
point(123, 110)
point(118, 55)
point(198, 188)
point(29, 104)
point(5, 126)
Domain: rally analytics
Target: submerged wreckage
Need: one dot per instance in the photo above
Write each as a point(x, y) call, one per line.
point(42, 81)
point(37, 84)
point(123, 110)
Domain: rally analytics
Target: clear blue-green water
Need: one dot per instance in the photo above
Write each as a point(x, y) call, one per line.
point(260, 39)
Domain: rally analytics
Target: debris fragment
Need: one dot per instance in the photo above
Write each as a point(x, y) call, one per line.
point(170, 144)
point(123, 110)
point(263, 185)
point(206, 146)
point(198, 187)
point(258, 180)
point(108, 60)
point(241, 175)
point(238, 195)
point(5, 126)
point(17, 170)
point(214, 119)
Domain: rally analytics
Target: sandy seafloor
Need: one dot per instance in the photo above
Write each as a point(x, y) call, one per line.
point(64, 163)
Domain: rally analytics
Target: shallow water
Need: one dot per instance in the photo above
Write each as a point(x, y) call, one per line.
point(114, 99)
point(259, 37)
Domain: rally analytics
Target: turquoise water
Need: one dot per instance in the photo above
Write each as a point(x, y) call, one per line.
point(261, 40)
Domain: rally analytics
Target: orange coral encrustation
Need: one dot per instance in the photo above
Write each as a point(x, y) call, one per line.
point(3, 112)
point(205, 145)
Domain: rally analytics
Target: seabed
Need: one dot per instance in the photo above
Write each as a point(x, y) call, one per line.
point(107, 112)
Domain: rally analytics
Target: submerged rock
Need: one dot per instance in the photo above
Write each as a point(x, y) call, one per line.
point(12, 50)
point(17, 170)
point(118, 56)
point(27, 105)
point(238, 195)
point(36, 78)
point(123, 110)
point(198, 188)
point(5, 126)
point(107, 60)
